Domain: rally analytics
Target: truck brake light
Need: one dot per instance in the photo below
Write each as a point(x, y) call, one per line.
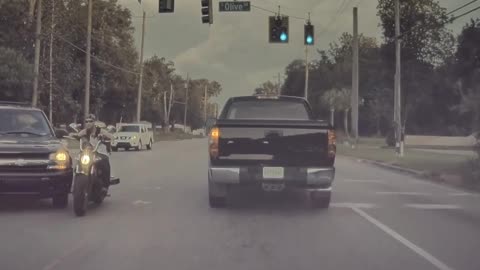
point(332, 143)
point(213, 142)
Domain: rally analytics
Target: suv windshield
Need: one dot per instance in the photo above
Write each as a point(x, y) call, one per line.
point(18, 121)
point(263, 109)
point(129, 129)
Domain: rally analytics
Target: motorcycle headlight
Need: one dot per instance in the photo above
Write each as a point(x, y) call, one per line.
point(85, 159)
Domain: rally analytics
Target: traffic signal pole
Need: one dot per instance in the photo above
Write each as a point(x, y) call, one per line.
point(307, 71)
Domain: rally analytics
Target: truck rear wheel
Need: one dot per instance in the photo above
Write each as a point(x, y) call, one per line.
point(217, 195)
point(217, 202)
point(320, 199)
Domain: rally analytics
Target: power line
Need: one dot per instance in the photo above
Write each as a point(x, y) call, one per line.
point(95, 57)
point(465, 5)
point(339, 11)
point(287, 7)
point(275, 12)
point(461, 15)
point(451, 20)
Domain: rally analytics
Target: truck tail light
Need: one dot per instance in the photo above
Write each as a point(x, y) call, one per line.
point(213, 142)
point(332, 143)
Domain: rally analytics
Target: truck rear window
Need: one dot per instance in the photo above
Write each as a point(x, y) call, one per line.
point(268, 109)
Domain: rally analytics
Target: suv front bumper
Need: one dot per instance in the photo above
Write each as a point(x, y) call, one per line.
point(43, 185)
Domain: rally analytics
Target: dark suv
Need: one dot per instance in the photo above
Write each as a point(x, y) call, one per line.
point(33, 161)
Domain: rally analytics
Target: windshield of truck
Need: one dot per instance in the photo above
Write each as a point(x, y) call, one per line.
point(268, 109)
point(23, 122)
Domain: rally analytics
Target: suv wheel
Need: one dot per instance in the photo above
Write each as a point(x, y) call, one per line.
point(140, 146)
point(150, 145)
point(60, 201)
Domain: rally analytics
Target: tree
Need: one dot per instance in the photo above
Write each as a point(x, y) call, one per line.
point(267, 88)
point(426, 45)
point(467, 73)
point(339, 100)
point(15, 75)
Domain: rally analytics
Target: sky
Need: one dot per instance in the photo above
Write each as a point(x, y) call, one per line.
point(234, 50)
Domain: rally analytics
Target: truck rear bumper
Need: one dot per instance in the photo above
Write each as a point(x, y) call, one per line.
point(294, 176)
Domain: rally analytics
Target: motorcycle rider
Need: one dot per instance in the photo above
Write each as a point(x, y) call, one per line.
point(92, 134)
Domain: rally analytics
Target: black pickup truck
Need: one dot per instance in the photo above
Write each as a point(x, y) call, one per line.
point(272, 143)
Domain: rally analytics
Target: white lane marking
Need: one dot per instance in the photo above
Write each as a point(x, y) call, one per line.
point(418, 250)
point(402, 193)
point(433, 206)
point(140, 202)
point(362, 181)
point(461, 194)
point(351, 205)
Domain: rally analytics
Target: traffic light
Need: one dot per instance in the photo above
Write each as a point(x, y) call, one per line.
point(207, 12)
point(278, 29)
point(309, 36)
point(166, 6)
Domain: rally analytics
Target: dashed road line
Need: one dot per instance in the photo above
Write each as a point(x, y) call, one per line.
point(418, 250)
point(403, 193)
point(433, 206)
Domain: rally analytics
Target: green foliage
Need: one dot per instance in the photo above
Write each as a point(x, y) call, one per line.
point(15, 75)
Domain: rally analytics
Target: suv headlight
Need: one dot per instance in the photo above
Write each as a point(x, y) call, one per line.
point(134, 137)
point(61, 159)
point(59, 156)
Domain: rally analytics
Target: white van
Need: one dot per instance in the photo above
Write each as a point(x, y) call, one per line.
point(132, 135)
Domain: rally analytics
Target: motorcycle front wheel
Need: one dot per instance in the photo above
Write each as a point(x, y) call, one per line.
point(80, 195)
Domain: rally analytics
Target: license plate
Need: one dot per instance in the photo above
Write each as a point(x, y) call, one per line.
point(273, 173)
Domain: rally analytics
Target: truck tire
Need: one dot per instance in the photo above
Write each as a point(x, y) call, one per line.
point(320, 199)
point(217, 195)
point(217, 202)
point(60, 201)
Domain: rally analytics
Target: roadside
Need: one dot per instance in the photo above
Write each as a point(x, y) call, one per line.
point(451, 167)
point(175, 135)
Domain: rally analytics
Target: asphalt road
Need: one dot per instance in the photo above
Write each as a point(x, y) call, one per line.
point(158, 218)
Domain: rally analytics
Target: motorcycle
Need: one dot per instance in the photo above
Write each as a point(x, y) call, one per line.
point(90, 183)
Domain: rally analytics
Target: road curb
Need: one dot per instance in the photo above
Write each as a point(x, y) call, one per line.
point(448, 179)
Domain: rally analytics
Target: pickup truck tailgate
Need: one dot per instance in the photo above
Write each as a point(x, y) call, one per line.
point(273, 143)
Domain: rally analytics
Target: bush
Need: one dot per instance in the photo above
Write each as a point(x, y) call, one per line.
point(390, 139)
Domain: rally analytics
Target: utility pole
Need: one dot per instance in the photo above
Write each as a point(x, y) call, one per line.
point(52, 25)
point(36, 68)
point(397, 107)
point(306, 72)
point(279, 84)
point(206, 102)
point(355, 77)
point(186, 106)
point(140, 83)
point(86, 109)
